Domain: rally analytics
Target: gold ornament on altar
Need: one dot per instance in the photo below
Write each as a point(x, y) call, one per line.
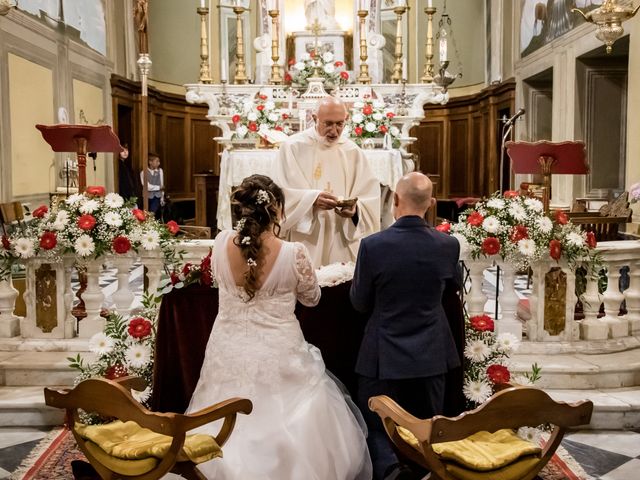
point(608, 19)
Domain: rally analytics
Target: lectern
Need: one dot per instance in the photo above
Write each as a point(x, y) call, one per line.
point(548, 158)
point(81, 139)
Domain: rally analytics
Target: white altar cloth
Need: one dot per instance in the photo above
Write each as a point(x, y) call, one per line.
point(236, 165)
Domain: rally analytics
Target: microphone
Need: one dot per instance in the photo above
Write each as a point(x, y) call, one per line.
point(510, 121)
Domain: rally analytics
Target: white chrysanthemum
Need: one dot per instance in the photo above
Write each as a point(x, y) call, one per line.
point(268, 106)
point(273, 117)
point(357, 118)
point(544, 224)
point(59, 226)
point(477, 351)
point(84, 245)
point(534, 204)
point(495, 203)
point(241, 131)
point(527, 247)
point(142, 396)
point(370, 127)
point(299, 66)
point(575, 239)
point(329, 68)
point(74, 199)
point(507, 343)
point(477, 391)
point(89, 206)
point(377, 116)
point(113, 200)
point(305, 57)
point(138, 355)
point(62, 217)
point(327, 57)
point(252, 116)
point(491, 224)
point(394, 131)
point(101, 344)
point(24, 247)
point(150, 240)
point(518, 212)
point(113, 219)
point(378, 104)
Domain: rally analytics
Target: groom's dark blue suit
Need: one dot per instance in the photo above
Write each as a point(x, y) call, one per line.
point(400, 276)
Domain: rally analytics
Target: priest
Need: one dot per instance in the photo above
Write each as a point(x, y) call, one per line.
point(320, 171)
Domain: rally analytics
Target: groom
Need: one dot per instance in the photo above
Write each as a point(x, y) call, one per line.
point(407, 348)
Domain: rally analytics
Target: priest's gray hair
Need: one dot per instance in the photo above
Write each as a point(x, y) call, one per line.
point(327, 102)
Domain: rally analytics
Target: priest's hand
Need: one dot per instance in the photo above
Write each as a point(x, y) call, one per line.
point(326, 201)
point(347, 212)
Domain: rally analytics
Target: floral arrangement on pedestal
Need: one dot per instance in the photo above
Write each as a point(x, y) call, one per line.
point(251, 118)
point(371, 119)
point(88, 225)
point(517, 229)
point(333, 71)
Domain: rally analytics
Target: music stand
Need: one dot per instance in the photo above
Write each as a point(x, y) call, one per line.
point(548, 158)
point(80, 139)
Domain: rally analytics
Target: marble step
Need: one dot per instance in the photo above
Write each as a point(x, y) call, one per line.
point(29, 368)
point(24, 406)
point(581, 371)
point(19, 344)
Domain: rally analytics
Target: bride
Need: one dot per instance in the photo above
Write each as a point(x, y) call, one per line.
point(301, 426)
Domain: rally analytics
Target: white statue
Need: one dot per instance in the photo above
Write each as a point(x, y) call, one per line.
point(322, 11)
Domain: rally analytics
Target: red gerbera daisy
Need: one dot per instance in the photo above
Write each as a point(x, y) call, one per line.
point(498, 374)
point(86, 222)
point(48, 240)
point(121, 244)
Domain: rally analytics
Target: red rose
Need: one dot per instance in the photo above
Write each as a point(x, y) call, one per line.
point(344, 75)
point(367, 110)
point(115, 371)
point(475, 219)
point(444, 227)
point(6, 243)
point(205, 269)
point(121, 244)
point(498, 374)
point(235, 118)
point(139, 327)
point(511, 194)
point(48, 240)
point(253, 126)
point(95, 191)
point(262, 97)
point(555, 249)
point(312, 54)
point(278, 128)
point(383, 128)
point(358, 131)
point(519, 232)
point(390, 114)
point(287, 77)
point(260, 108)
point(338, 64)
point(482, 323)
point(561, 217)
point(40, 212)
point(139, 214)
point(173, 227)
point(490, 246)
point(86, 222)
point(292, 61)
point(175, 279)
point(186, 269)
point(285, 116)
point(591, 240)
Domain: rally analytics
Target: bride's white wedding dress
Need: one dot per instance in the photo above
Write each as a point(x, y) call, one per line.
point(301, 427)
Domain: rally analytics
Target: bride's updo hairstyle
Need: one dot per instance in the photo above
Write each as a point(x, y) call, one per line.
point(254, 206)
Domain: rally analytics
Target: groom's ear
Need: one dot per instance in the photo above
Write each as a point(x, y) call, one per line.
point(396, 199)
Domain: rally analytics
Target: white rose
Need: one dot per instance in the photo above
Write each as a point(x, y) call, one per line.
point(327, 57)
point(378, 116)
point(394, 131)
point(268, 106)
point(329, 68)
point(241, 131)
point(299, 66)
point(252, 116)
point(357, 118)
point(273, 117)
point(370, 127)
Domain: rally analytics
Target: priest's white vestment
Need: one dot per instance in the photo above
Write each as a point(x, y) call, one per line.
point(307, 165)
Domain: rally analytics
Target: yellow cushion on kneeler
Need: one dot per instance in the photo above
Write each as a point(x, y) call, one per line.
point(129, 441)
point(123, 467)
point(481, 451)
point(513, 471)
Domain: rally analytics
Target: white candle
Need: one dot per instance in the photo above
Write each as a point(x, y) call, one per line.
point(363, 4)
point(290, 102)
point(404, 68)
point(430, 3)
point(443, 49)
point(223, 70)
point(202, 3)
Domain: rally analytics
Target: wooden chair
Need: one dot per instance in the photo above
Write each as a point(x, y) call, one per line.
point(112, 399)
point(510, 408)
point(194, 232)
point(9, 213)
point(604, 228)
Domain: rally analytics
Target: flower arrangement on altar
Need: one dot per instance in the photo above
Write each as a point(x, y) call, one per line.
point(517, 229)
point(88, 225)
point(486, 358)
point(370, 119)
point(251, 118)
point(333, 71)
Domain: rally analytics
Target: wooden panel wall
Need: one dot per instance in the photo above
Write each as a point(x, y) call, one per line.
point(178, 131)
point(460, 141)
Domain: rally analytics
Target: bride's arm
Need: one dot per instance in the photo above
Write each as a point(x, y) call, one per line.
point(307, 290)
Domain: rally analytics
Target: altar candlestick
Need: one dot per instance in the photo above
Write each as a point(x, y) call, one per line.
point(202, 3)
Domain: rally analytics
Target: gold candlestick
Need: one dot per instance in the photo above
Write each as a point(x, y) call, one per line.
point(241, 73)
point(364, 77)
point(276, 77)
point(205, 74)
point(397, 66)
point(427, 76)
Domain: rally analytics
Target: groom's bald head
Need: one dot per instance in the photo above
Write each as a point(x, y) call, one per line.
point(413, 195)
point(330, 118)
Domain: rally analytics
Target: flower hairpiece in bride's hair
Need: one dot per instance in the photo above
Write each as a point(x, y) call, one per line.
point(246, 241)
point(262, 197)
point(251, 262)
point(240, 224)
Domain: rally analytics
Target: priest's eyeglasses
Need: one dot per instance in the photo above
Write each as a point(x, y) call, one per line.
point(330, 124)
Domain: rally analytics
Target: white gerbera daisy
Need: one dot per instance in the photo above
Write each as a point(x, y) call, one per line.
point(370, 127)
point(357, 118)
point(24, 247)
point(138, 355)
point(74, 199)
point(575, 239)
point(101, 344)
point(477, 351)
point(84, 245)
point(150, 240)
point(518, 212)
point(527, 247)
point(477, 391)
point(299, 66)
point(491, 224)
point(544, 224)
point(507, 343)
point(534, 204)
point(268, 106)
point(142, 396)
point(329, 68)
point(495, 203)
point(377, 116)
point(113, 219)
point(62, 217)
point(89, 206)
point(327, 57)
point(59, 226)
point(252, 116)
point(113, 200)
point(273, 117)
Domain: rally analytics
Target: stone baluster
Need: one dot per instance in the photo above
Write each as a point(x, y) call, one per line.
point(70, 323)
point(154, 264)
point(93, 299)
point(9, 322)
point(632, 297)
point(476, 299)
point(123, 297)
point(618, 326)
point(508, 299)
